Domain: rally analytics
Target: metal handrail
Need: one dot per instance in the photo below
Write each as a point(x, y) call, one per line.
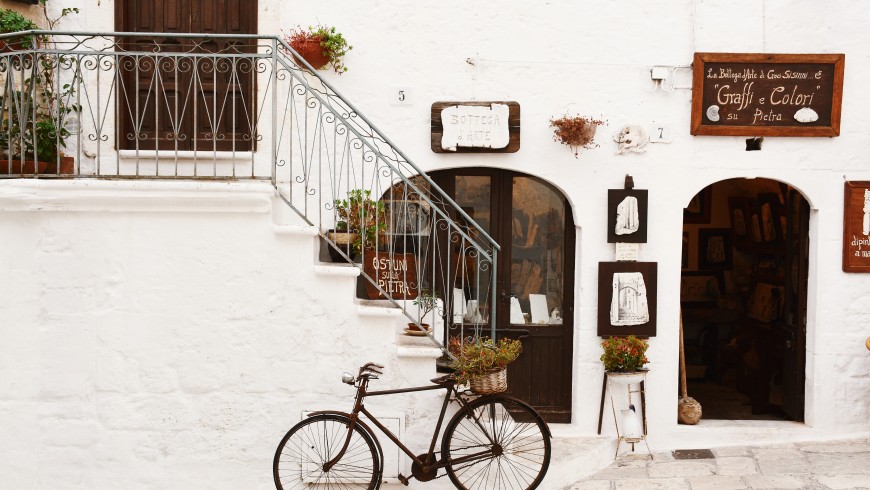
point(99, 94)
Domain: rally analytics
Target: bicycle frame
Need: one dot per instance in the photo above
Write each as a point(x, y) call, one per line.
point(359, 408)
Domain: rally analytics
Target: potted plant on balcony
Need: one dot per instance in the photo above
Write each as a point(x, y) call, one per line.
point(482, 362)
point(12, 21)
point(361, 222)
point(425, 302)
point(624, 358)
point(320, 46)
point(575, 131)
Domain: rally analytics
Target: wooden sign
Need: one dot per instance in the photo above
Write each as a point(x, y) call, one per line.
point(396, 275)
point(856, 227)
point(475, 127)
point(767, 94)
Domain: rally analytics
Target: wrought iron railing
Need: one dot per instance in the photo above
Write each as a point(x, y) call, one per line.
point(190, 106)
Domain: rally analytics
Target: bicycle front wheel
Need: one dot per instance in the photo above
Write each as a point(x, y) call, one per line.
point(497, 442)
point(316, 440)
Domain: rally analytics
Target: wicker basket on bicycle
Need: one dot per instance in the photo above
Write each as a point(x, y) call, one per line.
point(482, 363)
point(486, 384)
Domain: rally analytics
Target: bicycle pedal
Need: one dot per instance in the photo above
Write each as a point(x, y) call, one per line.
point(403, 479)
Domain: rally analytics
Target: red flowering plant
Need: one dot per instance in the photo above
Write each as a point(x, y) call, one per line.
point(624, 354)
point(476, 357)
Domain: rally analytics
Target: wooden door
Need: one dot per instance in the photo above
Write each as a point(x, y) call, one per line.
point(795, 314)
point(532, 222)
point(192, 98)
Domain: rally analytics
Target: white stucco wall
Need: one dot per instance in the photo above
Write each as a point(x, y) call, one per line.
point(154, 336)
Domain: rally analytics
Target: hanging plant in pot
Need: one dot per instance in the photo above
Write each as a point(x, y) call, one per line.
point(624, 358)
point(482, 362)
point(320, 46)
point(575, 131)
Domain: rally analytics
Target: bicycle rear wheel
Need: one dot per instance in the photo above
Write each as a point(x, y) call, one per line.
point(497, 443)
point(309, 444)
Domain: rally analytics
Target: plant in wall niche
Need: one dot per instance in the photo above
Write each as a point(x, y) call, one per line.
point(624, 354)
point(364, 217)
point(483, 362)
point(426, 301)
point(320, 46)
point(575, 131)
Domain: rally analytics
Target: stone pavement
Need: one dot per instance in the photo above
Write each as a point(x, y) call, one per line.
point(840, 464)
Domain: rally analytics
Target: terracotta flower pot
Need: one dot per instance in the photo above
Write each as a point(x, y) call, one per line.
point(13, 167)
point(312, 52)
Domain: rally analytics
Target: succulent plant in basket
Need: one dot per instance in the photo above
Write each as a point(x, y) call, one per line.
point(575, 131)
point(482, 362)
point(624, 354)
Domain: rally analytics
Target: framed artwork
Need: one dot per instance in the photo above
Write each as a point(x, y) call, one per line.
point(772, 219)
point(738, 212)
point(714, 248)
point(627, 212)
point(698, 210)
point(701, 289)
point(754, 214)
point(856, 227)
point(627, 298)
point(685, 261)
point(765, 303)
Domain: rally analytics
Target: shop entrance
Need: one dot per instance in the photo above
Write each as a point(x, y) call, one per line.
point(532, 222)
point(744, 299)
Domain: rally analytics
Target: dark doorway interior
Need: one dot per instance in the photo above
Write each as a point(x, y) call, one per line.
point(743, 299)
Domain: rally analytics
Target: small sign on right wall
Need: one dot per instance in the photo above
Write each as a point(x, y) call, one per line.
point(742, 94)
point(856, 227)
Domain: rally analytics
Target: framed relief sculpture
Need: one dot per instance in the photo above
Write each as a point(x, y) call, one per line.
point(627, 298)
point(627, 212)
point(714, 248)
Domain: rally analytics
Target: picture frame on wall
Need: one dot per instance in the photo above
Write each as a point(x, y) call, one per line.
point(627, 293)
point(714, 248)
point(701, 289)
point(698, 210)
point(772, 219)
point(627, 211)
point(741, 220)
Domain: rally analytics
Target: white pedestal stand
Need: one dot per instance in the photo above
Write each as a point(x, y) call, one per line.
point(636, 433)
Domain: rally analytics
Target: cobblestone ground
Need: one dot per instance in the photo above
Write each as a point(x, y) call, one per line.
point(803, 465)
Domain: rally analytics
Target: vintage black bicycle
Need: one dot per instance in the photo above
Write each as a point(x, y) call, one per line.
point(492, 442)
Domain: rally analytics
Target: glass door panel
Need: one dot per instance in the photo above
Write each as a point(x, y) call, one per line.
point(474, 195)
point(537, 253)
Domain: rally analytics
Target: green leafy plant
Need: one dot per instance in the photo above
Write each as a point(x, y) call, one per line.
point(364, 216)
point(624, 354)
point(31, 124)
point(426, 301)
point(476, 357)
point(575, 131)
point(12, 21)
point(333, 43)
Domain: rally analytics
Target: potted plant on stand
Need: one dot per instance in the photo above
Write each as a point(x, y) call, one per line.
point(575, 131)
point(320, 46)
point(482, 362)
point(624, 358)
point(426, 302)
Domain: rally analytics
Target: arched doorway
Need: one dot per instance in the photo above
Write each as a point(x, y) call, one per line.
point(532, 222)
point(744, 299)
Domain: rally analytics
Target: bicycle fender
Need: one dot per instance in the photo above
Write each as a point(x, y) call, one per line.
point(364, 427)
point(499, 396)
